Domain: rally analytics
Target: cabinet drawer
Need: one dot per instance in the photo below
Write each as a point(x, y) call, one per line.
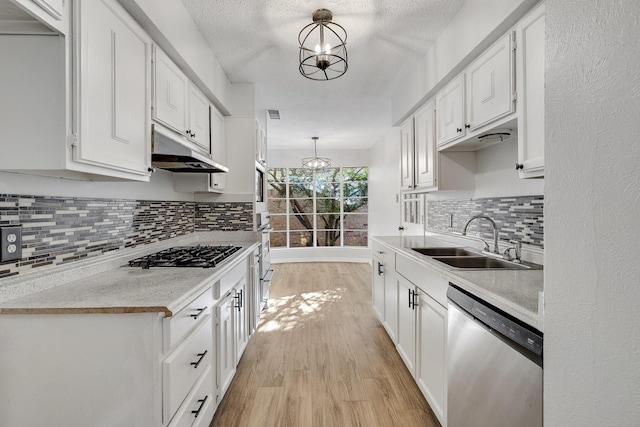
point(199, 406)
point(182, 368)
point(230, 279)
point(179, 325)
point(424, 277)
point(384, 254)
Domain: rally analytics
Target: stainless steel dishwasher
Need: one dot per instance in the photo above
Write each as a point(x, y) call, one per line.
point(494, 372)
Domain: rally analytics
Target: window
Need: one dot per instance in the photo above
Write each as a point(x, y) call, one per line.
point(324, 208)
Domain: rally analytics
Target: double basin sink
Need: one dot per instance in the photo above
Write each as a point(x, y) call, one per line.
point(461, 258)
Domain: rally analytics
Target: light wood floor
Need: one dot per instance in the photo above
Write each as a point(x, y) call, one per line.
point(321, 358)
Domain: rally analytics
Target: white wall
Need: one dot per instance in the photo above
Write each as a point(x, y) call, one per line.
point(592, 273)
point(384, 209)
point(474, 28)
point(339, 158)
point(160, 187)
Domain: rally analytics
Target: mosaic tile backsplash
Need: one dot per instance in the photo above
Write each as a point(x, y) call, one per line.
point(518, 218)
point(58, 230)
point(224, 216)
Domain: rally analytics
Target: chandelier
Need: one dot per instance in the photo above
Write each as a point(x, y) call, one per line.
point(323, 48)
point(316, 163)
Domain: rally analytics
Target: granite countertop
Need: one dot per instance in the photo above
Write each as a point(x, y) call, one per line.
point(514, 291)
point(107, 284)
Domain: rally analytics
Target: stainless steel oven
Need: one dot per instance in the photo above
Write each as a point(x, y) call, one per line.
point(266, 273)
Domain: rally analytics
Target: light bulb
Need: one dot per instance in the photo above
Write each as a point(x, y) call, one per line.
point(318, 49)
point(327, 49)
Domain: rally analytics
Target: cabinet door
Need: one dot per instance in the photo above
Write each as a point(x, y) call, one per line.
point(391, 304)
point(406, 155)
point(241, 321)
point(450, 111)
point(170, 93)
point(431, 364)
point(530, 76)
point(218, 152)
point(377, 289)
point(225, 344)
point(490, 85)
point(114, 89)
point(425, 147)
point(199, 124)
point(406, 323)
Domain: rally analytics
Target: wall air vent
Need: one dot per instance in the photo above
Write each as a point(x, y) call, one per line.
point(274, 114)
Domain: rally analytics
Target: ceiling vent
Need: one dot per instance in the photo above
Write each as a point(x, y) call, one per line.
point(274, 114)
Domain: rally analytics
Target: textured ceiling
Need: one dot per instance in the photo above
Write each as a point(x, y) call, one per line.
point(256, 41)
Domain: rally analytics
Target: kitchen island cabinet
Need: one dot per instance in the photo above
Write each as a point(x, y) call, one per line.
point(127, 347)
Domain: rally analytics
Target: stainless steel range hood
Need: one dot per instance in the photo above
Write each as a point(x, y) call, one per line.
point(170, 152)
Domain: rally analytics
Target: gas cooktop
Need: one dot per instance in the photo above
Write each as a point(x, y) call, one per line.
point(205, 256)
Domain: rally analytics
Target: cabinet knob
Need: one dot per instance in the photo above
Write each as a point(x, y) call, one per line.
point(188, 131)
point(468, 126)
point(519, 166)
point(459, 130)
point(400, 228)
point(193, 135)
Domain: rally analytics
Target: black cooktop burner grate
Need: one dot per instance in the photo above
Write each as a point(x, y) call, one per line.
point(205, 256)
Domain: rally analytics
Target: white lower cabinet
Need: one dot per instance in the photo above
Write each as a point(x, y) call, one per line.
point(407, 323)
point(199, 405)
point(225, 344)
point(418, 306)
point(241, 320)
point(431, 365)
point(384, 288)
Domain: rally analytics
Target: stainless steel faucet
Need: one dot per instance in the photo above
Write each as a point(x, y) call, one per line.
point(495, 231)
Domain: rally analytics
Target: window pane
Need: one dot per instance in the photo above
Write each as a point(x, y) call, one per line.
point(356, 221)
point(278, 239)
point(300, 191)
point(355, 238)
point(328, 205)
point(328, 222)
point(276, 190)
point(276, 174)
point(300, 222)
point(328, 237)
point(299, 239)
point(300, 206)
point(355, 174)
point(356, 205)
point(300, 175)
point(278, 222)
point(328, 189)
point(328, 175)
point(277, 206)
point(355, 189)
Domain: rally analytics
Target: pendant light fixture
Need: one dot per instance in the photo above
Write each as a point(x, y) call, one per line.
point(323, 48)
point(316, 163)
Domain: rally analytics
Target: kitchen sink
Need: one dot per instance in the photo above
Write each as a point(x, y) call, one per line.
point(435, 251)
point(484, 263)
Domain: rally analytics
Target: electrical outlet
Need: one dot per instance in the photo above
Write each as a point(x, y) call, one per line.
point(10, 243)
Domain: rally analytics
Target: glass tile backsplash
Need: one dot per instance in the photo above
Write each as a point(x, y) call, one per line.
point(58, 230)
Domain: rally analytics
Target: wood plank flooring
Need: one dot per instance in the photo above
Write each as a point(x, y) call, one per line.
point(321, 358)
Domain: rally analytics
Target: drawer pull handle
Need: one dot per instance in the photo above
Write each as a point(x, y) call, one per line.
point(201, 356)
point(380, 271)
point(201, 402)
point(199, 312)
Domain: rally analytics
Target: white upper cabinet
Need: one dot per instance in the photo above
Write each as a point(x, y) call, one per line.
point(114, 89)
point(199, 122)
point(490, 85)
point(53, 13)
point(425, 147)
point(406, 155)
point(170, 93)
point(530, 58)
point(178, 103)
point(450, 111)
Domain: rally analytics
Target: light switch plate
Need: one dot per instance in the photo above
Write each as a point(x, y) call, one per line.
point(10, 243)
